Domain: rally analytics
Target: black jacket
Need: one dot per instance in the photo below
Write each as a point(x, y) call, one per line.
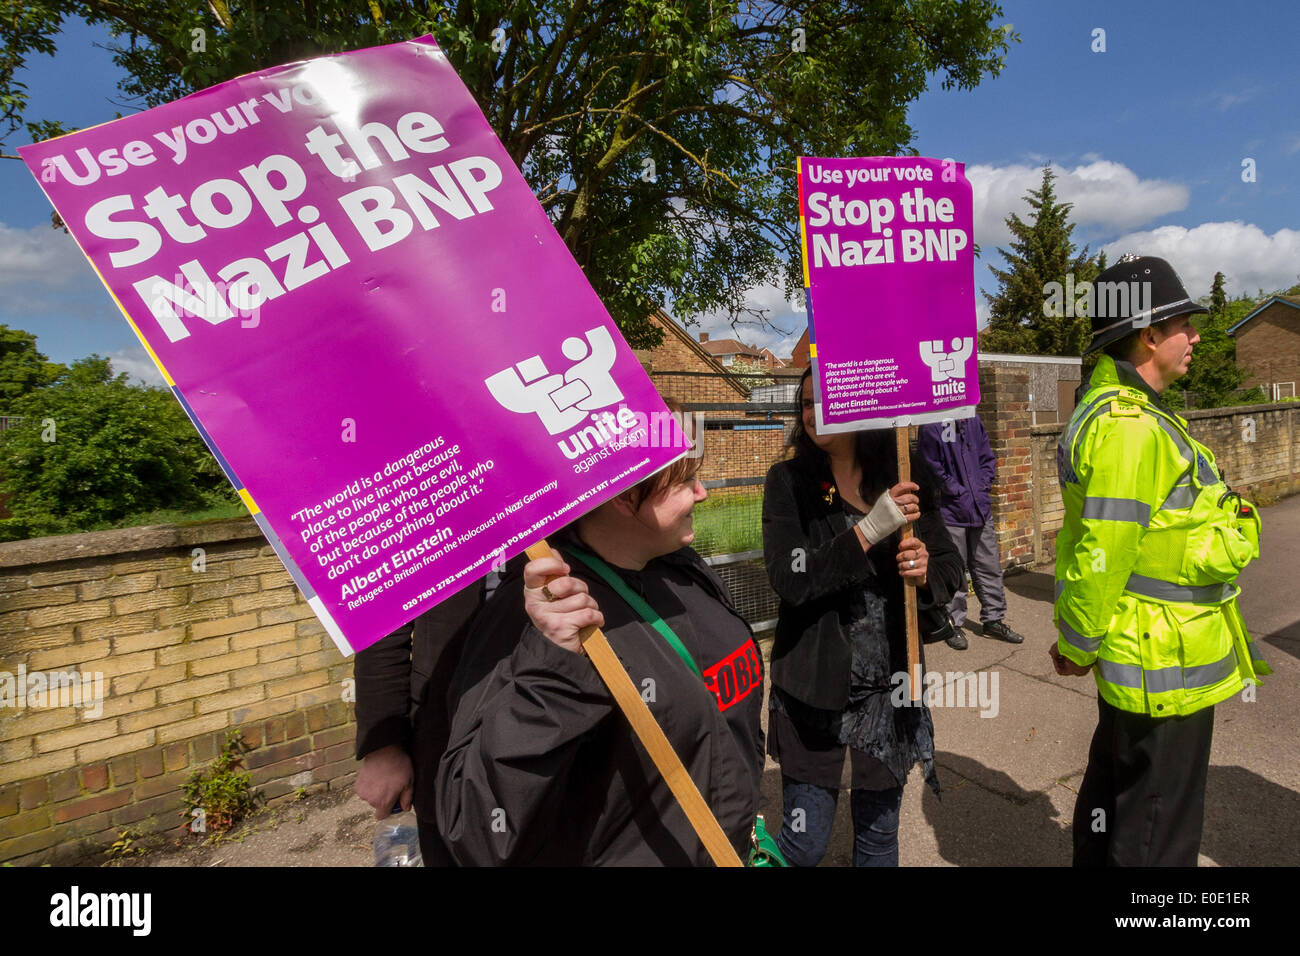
point(542, 768)
point(814, 561)
point(402, 682)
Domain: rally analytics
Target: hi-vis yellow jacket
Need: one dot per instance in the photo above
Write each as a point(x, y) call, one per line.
point(1148, 555)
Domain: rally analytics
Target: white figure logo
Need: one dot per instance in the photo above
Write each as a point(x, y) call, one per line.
point(561, 401)
point(946, 365)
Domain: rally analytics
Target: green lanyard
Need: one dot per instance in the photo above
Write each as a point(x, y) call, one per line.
point(637, 603)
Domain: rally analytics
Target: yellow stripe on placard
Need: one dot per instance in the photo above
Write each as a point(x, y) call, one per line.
point(812, 349)
point(249, 503)
point(803, 229)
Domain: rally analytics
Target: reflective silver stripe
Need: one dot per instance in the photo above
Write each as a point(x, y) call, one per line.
point(1162, 680)
point(1164, 591)
point(1255, 655)
point(1117, 509)
point(1182, 497)
point(1121, 675)
point(1205, 470)
point(1206, 675)
point(1089, 645)
point(1060, 587)
point(1172, 431)
point(1140, 320)
point(1082, 416)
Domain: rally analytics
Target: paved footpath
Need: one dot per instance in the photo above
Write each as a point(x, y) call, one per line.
point(1009, 781)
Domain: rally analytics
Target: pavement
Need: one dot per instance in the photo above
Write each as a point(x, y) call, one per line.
point(1009, 780)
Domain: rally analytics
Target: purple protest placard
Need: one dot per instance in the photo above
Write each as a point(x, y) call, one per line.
point(889, 270)
point(364, 310)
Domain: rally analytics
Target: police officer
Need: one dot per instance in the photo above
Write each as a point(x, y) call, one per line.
point(1146, 561)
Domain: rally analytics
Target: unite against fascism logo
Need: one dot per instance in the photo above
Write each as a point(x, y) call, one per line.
point(577, 401)
point(948, 369)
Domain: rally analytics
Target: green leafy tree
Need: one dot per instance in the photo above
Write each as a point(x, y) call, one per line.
point(23, 367)
point(91, 450)
point(1214, 376)
point(1026, 318)
point(659, 135)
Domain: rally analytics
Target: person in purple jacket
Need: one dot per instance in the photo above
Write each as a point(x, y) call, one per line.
point(958, 451)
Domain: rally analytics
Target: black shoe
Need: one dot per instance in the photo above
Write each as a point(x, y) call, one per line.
point(958, 640)
point(1000, 630)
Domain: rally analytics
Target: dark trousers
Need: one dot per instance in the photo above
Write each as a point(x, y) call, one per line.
point(1142, 802)
point(978, 548)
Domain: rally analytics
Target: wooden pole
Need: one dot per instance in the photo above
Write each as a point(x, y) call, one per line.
point(902, 440)
point(652, 737)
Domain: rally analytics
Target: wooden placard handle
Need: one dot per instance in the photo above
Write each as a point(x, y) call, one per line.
point(651, 735)
point(902, 440)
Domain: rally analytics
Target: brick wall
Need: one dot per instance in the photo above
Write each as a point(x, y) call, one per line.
point(1269, 347)
point(1004, 410)
point(741, 453)
point(1263, 469)
point(186, 651)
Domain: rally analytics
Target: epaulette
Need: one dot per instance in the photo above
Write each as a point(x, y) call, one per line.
point(1129, 403)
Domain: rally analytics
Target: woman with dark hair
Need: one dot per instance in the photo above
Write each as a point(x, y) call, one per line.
point(542, 768)
point(831, 518)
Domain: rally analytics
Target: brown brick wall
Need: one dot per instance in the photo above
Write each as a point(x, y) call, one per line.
point(1268, 349)
point(184, 656)
point(1004, 409)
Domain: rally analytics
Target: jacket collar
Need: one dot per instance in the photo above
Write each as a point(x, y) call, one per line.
point(1110, 371)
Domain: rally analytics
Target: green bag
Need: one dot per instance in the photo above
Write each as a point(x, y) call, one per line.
point(763, 851)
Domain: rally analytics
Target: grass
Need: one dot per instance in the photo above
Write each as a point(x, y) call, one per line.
point(180, 516)
point(729, 521)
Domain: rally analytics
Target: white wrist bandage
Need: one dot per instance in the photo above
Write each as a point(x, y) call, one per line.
point(883, 520)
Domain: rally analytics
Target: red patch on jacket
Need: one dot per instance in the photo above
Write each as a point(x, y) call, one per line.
point(733, 677)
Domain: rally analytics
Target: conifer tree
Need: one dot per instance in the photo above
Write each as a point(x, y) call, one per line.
point(1028, 314)
point(1214, 376)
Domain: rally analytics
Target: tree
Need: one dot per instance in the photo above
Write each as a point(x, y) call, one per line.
point(659, 135)
point(91, 449)
point(22, 367)
point(1028, 315)
point(1214, 375)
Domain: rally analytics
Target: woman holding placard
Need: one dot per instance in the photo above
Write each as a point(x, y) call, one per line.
point(542, 768)
point(831, 518)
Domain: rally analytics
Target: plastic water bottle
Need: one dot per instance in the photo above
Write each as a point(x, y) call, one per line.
point(397, 840)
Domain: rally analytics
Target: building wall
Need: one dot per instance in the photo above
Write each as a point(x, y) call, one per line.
point(1004, 410)
point(1268, 348)
point(186, 649)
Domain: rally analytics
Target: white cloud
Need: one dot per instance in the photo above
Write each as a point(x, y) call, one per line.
point(1226, 101)
point(1106, 195)
point(1249, 258)
point(42, 256)
point(137, 365)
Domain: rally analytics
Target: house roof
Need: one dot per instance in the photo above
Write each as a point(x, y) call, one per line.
point(1292, 300)
point(729, 347)
point(671, 327)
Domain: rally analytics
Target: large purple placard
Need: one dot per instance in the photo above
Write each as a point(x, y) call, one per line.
point(889, 269)
point(366, 313)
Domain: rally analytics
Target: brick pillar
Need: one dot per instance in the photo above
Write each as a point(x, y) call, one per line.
point(1004, 409)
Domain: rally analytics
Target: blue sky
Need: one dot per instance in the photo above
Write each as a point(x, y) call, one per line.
point(1147, 139)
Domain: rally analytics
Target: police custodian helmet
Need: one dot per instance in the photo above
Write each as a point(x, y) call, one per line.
point(1135, 292)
